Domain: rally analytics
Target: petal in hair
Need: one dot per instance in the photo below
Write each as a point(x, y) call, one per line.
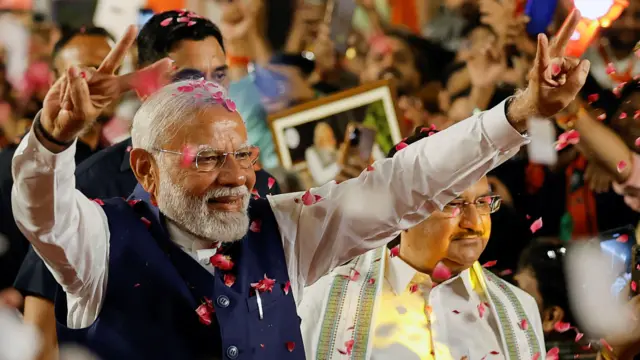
point(166, 22)
point(561, 326)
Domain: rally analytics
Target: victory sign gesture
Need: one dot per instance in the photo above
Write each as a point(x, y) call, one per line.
point(554, 80)
point(77, 98)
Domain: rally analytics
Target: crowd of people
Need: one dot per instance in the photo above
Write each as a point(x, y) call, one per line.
point(144, 211)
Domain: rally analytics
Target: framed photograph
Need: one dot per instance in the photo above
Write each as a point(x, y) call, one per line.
point(308, 137)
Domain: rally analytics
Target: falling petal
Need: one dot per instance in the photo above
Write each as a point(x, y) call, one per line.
point(611, 69)
point(136, 285)
point(455, 311)
point(229, 279)
point(561, 326)
point(505, 272)
point(622, 238)
point(494, 352)
point(188, 156)
point(354, 275)
point(489, 264)
point(146, 222)
point(128, 149)
point(537, 225)
point(602, 117)
point(593, 98)
point(553, 354)
point(98, 201)
point(166, 22)
point(395, 251)
point(286, 287)
point(369, 168)
point(481, 310)
point(638, 141)
point(372, 281)
point(264, 284)
point(147, 82)
point(271, 182)
point(579, 336)
point(441, 272)
point(524, 325)
point(634, 286)
point(255, 193)
point(401, 146)
point(623, 115)
point(255, 226)
point(606, 344)
point(621, 166)
point(291, 345)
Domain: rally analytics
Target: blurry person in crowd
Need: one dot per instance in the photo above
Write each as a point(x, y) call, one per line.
point(447, 19)
point(86, 47)
point(322, 157)
point(419, 311)
point(541, 273)
point(614, 48)
point(411, 62)
point(123, 292)
point(613, 147)
point(108, 174)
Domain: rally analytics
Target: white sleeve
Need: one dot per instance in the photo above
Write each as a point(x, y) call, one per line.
point(66, 229)
point(398, 193)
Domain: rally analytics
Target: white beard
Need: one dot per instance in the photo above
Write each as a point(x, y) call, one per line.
point(194, 215)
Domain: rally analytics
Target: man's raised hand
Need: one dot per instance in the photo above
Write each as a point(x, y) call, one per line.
point(77, 98)
point(554, 80)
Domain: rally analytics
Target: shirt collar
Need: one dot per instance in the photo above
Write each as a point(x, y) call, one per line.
point(399, 274)
point(189, 243)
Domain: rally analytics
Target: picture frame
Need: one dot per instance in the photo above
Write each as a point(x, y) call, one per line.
point(295, 130)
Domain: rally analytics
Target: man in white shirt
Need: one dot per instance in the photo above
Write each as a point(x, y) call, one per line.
point(133, 276)
point(391, 304)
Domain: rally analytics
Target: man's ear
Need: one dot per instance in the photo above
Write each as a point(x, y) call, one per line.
point(146, 171)
point(551, 316)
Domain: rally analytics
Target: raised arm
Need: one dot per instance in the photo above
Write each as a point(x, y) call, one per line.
point(336, 222)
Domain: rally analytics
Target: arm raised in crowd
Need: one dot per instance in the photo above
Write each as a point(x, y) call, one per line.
point(331, 224)
point(66, 229)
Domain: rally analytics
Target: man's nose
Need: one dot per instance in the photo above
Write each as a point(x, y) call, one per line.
point(471, 219)
point(231, 174)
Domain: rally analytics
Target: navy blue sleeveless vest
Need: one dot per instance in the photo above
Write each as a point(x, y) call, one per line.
point(154, 289)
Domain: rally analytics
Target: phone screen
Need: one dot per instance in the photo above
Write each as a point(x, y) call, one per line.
point(618, 245)
point(341, 18)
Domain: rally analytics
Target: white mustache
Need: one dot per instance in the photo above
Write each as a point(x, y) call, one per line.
point(242, 191)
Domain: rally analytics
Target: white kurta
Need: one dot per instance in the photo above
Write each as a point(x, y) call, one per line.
point(71, 233)
point(411, 321)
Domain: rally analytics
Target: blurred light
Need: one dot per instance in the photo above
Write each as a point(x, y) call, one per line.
point(593, 9)
point(309, 55)
point(351, 53)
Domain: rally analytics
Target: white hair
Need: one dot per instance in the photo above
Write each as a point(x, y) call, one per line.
point(156, 122)
point(164, 112)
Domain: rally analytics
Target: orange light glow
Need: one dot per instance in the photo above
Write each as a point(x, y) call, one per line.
point(588, 28)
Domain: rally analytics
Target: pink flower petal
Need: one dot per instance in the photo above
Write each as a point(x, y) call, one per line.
point(166, 22)
point(395, 251)
point(623, 115)
point(505, 272)
point(229, 279)
point(456, 212)
point(309, 199)
point(489, 264)
point(638, 142)
point(622, 238)
point(191, 23)
point(286, 287)
point(621, 166)
point(611, 69)
point(555, 69)
point(146, 222)
point(634, 286)
point(481, 310)
point(455, 311)
point(291, 346)
point(221, 262)
point(593, 98)
point(136, 285)
point(372, 281)
point(264, 284)
point(255, 226)
point(255, 194)
point(602, 117)
point(401, 146)
point(579, 336)
point(369, 168)
point(441, 272)
point(186, 88)
point(230, 105)
point(128, 149)
point(271, 182)
point(561, 326)
point(183, 19)
point(537, 225)
point(553, 354)
point(536, 356)
point(188, 156)
point(524, 325)
point(494, 352)
point(413, 288)
point(98, 201)
point(636, 115)
point(354, 275)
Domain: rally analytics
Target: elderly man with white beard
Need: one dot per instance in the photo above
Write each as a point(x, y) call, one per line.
point(214, 271)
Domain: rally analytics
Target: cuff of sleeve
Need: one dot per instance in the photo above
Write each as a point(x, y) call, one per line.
point(498, 129)
point(634, 178)
point(31, 145)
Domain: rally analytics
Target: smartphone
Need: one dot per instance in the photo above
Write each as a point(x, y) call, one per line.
point(635, 270)
point(339, 14)
point(618, 245)
point(361, 141)
point(144, 15)
point(272, 85)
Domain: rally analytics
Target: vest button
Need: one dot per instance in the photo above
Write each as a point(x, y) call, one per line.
point(223, 301)
point(232, 352)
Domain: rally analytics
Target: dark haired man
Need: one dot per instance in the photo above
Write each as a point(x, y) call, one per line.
point(81, 47)
point(399, 311)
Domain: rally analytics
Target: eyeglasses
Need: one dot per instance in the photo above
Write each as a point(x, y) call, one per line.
point(484, 206)
point(208, 159)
